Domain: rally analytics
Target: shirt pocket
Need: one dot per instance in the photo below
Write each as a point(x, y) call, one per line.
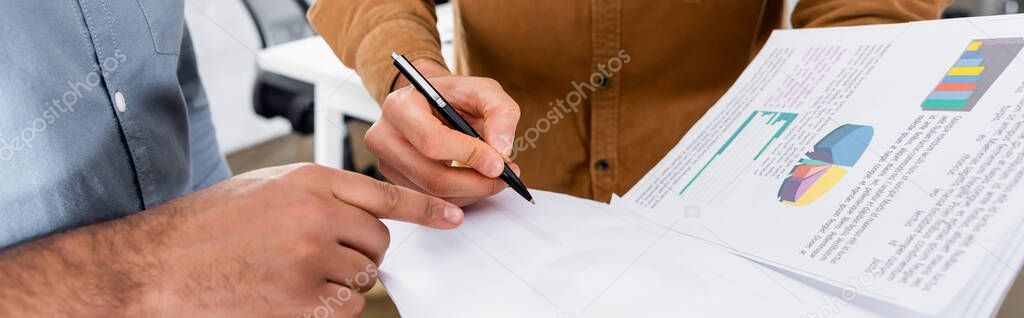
point(166, 21)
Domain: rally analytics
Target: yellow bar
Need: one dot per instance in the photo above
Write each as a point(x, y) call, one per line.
point(974, 46)
point(973, 70)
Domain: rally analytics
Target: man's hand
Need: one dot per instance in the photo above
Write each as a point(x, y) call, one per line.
point(277, 242)
point(416, 148)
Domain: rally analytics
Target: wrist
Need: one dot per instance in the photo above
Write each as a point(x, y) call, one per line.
point(147, 258)
point(170, 240)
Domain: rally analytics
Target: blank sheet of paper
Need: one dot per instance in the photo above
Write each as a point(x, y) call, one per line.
point(570, 257)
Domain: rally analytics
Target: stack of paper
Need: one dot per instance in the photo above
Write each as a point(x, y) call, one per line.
point(570, 257)
point(849, 172)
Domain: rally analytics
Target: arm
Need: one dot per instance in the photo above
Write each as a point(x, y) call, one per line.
point(363, 33)
point(824, 13)
point(276, 242)
point(92, 271)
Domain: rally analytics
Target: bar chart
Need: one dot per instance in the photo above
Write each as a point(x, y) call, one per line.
point(972, 74)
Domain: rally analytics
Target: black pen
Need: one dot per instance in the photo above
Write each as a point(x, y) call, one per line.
point(452, 116)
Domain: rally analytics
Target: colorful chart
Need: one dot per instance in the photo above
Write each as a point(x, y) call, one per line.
point(744, 146)
point(824, 167)
point(972, 75)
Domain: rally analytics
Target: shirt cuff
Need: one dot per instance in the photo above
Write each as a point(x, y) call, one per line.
point(373, 60)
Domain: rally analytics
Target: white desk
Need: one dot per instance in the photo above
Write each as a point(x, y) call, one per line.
point(338, 90)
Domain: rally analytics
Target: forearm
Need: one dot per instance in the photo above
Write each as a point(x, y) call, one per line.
point(363, 33)
point(106, 269)
point(826, 13)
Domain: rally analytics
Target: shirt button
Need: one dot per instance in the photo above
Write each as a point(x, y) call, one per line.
point(602, 81)
point(602, 165)
point(119, 102)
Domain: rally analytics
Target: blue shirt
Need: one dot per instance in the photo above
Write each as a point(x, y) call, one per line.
point(102, 113)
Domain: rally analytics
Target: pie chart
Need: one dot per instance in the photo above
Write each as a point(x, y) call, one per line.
point(815, 175)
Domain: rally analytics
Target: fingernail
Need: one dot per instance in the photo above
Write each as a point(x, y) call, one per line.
point(494, 167)
point(439, 211)
point(504, 145)
point(452, 214)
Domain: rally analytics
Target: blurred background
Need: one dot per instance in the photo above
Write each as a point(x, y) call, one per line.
point(968, 8)
point(265, 119)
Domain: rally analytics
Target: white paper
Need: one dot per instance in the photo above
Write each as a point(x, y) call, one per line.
point(934, 194)
point(570, 257)
point(497, 265)
point(513, 258)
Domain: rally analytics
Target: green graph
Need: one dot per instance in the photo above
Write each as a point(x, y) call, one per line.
point(747, 143)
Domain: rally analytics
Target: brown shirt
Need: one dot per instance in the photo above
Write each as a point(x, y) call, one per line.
point(606, 87)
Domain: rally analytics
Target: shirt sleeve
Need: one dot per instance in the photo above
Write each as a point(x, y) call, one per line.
point(207, 162)
point(825, 13)
point(363, 33)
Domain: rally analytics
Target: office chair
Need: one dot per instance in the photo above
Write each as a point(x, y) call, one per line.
point(277, 22)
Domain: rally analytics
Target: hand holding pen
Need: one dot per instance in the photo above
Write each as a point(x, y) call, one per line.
point(415, 147)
